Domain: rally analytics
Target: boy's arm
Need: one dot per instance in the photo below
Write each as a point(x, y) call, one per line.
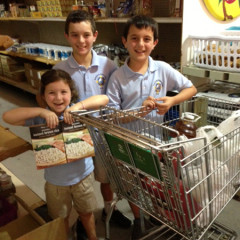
point(18, 116)
point(185, 94)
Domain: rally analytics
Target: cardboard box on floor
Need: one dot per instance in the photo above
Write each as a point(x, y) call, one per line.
point(32, 226)
point(11, 145)
point(27, 228)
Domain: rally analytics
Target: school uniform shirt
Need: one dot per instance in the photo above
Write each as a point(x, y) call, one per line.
point(127, 89)
point(91, 81)
point(65, 174)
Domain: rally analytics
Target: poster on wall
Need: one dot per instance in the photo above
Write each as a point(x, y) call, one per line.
point(223, 10)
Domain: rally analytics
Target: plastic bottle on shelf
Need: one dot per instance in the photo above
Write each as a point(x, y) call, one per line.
point(186, 125)
point(5, 181)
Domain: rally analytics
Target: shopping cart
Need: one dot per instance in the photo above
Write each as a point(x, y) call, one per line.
point(184, 183)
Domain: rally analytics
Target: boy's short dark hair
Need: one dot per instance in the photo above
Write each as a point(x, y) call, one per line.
point(77, 16)
point(141, 21)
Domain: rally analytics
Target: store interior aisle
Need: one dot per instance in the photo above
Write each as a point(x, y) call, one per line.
point(23, 166)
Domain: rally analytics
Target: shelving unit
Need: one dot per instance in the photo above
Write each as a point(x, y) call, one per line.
point(51, 30)
point(228, 77)
point(100, 20)
point(22, 85)
point(30, 57)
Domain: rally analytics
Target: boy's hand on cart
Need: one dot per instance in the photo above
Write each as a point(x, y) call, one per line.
point(165, 104)
point(149, 103)
point(50, 117)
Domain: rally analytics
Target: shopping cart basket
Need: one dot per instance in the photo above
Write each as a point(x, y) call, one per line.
point(184, 183)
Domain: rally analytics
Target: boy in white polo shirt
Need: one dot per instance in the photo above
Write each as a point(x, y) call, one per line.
point(90, 73)
point(141, 78)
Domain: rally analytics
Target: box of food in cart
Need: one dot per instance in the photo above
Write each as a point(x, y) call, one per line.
point(63, 144)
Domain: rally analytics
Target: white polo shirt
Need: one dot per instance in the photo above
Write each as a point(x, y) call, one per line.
point(90, 81)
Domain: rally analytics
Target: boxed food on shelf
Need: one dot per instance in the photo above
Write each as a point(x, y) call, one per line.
point(216, 52)
point(34, 72)
point(163, 8)
point(18, 76)
point(10, 64)
point(54, 8)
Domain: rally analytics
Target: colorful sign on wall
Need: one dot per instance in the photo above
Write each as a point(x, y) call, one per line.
point(223, 10)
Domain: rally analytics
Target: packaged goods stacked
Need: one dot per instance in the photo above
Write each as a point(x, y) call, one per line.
point(99, 9)
point(49, 51)
point(54, 8)
point(12, 68)
point(33, 73)
point(164, 8)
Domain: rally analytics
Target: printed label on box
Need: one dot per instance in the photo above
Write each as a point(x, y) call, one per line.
point(61, 145)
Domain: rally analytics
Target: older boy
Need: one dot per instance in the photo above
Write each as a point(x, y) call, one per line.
point(90, 73)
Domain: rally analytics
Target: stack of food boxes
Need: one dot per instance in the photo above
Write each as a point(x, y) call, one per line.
point(34, 72)
point(54, 8)
point(12, 68)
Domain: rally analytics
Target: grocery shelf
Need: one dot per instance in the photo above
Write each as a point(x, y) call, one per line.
point(22, 85)
point(230, 77)
point(157, 19)
point(30, 57)
point(101, 20)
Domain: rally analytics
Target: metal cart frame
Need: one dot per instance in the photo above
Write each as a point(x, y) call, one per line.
point(184, 183)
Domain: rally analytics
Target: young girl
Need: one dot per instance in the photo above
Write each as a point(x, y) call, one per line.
point(72, 182)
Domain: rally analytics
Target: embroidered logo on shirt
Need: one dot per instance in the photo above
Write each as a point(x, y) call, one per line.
point(100, 80)
point(157, 86)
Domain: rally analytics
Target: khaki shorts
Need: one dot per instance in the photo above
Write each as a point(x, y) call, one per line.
point(61, 198)
point(100, 171)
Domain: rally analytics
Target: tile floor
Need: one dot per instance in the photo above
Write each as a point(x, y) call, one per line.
point(23, 166)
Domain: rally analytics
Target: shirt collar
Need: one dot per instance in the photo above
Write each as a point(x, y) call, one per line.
point(73, 63)
point(128, 71)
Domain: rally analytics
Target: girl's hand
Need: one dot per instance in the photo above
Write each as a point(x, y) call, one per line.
point(67, 116)
point(50, 117)
point(167, 103)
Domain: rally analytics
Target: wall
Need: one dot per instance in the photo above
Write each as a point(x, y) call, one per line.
point(198, 21)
